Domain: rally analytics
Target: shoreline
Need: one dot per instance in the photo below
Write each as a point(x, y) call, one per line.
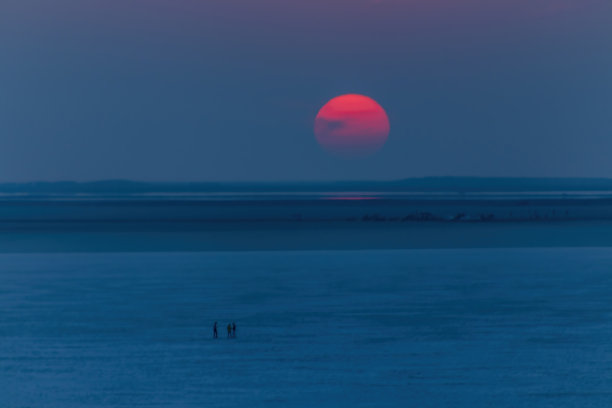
point(356, 209)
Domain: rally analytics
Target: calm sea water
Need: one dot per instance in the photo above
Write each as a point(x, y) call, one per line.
point(423, 328)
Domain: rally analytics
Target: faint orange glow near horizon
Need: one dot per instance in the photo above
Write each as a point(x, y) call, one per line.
point(352, 125)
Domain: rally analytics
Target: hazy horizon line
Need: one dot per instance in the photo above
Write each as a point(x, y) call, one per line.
point(309, 181)
point(407, 185)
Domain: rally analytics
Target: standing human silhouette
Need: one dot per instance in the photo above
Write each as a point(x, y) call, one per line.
point(229, 330)
point(234, 329)
point(215, 333)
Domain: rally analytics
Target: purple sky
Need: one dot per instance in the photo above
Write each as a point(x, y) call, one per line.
point(228, 89)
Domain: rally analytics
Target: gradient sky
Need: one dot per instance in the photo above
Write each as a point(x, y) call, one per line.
point(228, 89)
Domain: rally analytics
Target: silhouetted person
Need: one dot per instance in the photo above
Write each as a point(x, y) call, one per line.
point(215, 333)
point(234, 329)
point(229, 330)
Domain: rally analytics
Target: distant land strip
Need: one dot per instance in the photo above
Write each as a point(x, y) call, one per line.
point(425, 184)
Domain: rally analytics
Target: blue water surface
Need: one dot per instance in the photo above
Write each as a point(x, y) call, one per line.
point(423, 328)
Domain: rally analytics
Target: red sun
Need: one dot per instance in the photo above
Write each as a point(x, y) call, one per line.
point(352, 125)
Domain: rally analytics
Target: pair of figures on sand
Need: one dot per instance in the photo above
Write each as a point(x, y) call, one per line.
point(231, 330)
